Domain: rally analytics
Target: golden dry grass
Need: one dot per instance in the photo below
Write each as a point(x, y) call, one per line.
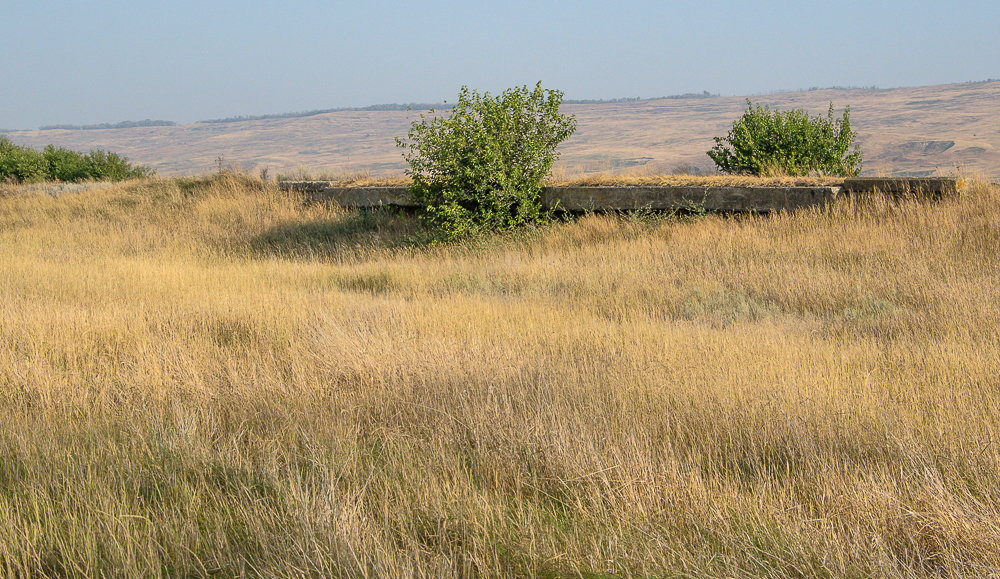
point(348, 178)
point(209, 376)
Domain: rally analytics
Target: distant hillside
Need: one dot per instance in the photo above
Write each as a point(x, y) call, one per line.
point(299, 115)
point(912, 131)
point(121, 125)
point(423, 107)
point(688, 95)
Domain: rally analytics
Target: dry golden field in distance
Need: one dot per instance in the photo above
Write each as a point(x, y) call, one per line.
point(918, 131)
point(212, 377)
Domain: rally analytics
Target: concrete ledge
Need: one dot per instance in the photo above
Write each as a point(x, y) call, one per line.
point(368, 196)
point(934, 186)
point(735, 199)
point(618, 198)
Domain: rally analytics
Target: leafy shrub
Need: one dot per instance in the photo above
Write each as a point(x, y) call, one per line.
point(26, 165)
point(789, 142)
point(481, 167)
point(107, 166)
point(65, 165)
point(22, 164)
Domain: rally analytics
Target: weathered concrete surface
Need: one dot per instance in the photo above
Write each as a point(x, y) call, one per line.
point(735, 199)
point(933, 186)
point(617, 198)
point(368, 196)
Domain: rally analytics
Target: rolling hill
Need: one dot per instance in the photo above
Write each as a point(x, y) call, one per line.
point(903, 131)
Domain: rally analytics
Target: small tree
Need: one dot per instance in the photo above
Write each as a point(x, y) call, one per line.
point(481, 167)
point(791, 142)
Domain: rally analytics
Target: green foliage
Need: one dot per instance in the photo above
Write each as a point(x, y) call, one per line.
point(481, 167)
point(22, 164)
point(26, 165)
point(789, 142)
point(107, 166)
point(65, 165)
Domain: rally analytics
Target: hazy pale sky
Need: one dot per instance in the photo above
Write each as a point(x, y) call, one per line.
point(82, 62)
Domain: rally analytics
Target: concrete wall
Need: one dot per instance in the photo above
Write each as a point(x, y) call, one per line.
point(726, 199)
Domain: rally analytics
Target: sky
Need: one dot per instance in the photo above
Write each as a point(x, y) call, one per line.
point(96, 61)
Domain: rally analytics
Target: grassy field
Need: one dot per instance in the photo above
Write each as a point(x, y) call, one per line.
point(212, 377)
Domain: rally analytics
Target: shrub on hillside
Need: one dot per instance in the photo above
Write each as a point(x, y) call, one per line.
point(481, 167)
point(21, 164)
point(26, 165)
point(107, 166)
point(65, 165)
point(789, 142)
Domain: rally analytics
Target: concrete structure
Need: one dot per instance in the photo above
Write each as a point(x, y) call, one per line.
point(933, 186)
point(618, 198)
point(726, 199)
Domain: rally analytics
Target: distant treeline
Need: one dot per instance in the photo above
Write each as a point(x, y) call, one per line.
point(428, 106)
point(121, 125)
point(687, 95)
point(383, 107)
point(841, 87)
point(819, 88)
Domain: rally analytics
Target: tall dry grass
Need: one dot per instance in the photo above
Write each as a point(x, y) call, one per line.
point(211, 377)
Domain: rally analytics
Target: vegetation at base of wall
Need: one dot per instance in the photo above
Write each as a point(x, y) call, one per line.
point(481, 167)
point(23, 164)
point(765, 142)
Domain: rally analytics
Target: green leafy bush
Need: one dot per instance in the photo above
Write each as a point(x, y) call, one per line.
point(107, 166)
point(26, 165)
point(481, 167)
point(789, 142)
point(21, 164)
point(65, 165)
